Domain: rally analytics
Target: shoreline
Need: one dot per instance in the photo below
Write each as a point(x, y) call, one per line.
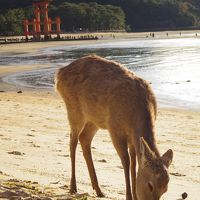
point(39, 47)
point(12, 86)
point(104, 37)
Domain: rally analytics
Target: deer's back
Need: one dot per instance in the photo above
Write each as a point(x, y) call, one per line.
point(103, 89)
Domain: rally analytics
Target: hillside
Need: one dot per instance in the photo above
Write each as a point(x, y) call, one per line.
point(93, 15)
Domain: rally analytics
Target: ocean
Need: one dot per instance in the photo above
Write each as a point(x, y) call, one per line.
point(172, 66)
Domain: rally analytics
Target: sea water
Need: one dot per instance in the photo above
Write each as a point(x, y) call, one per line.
point(172, 66)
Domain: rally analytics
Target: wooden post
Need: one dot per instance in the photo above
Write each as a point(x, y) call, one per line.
point(35, 29)
point(50, 25)
point(37, 17)
point(58, 22)
point(46, 19)
point(26, 31)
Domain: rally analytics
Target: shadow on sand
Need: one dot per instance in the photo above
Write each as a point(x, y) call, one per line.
point(14, 189)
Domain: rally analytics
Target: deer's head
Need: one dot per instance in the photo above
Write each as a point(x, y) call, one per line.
point(152, 177)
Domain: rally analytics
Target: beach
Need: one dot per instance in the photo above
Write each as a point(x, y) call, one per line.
point(34, 143)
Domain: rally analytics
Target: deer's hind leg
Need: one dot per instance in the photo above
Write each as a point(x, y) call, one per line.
point(85, 139)
point(76, 121)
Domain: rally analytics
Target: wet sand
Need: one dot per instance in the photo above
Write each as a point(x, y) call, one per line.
point(34, 146)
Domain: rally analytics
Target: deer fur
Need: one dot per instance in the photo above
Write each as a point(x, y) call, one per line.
point(103, 94)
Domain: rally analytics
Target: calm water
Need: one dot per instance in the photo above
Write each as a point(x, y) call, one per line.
point(171, 65)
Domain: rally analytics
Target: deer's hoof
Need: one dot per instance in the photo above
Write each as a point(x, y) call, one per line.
point(100, 194)
point(73, 191)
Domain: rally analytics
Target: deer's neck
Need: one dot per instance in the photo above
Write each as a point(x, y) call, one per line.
point(150, 140)
point(148, 131)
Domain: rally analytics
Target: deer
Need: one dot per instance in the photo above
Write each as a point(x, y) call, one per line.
point(103, 94)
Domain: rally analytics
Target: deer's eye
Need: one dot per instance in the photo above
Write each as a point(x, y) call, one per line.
point(150, 185)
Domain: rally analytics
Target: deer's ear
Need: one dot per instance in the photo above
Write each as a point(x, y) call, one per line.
point(142, 146)
point(167, 158)
point(145, 152)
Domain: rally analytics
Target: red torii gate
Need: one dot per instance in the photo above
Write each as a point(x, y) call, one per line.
point(41, 7)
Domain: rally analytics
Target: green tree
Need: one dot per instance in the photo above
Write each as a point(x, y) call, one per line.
point(91, 16)
point(11, 21)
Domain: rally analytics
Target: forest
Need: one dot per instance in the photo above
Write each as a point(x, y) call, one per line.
point(105, 15)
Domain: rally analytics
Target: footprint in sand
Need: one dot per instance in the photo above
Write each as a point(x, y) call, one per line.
point(102, 161)
point(30, 135)
point(63, 155)
point(34, 145)
point(16, 153)
point(177, 174)
point(6, 138)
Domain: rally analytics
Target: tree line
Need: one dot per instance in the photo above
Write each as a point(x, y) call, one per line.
point(155, 14)
point(89, 16)
point(94, 15)
point(75, 17)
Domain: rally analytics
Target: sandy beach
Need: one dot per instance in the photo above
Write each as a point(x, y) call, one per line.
point(108, 37)
point(34, 144)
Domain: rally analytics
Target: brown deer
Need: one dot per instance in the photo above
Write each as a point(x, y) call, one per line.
point(103, 94)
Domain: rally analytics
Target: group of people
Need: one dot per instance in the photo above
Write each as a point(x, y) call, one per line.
point(63, 38)
point(167, 34)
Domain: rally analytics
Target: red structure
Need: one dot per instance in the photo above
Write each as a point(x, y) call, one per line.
point(36, 27)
